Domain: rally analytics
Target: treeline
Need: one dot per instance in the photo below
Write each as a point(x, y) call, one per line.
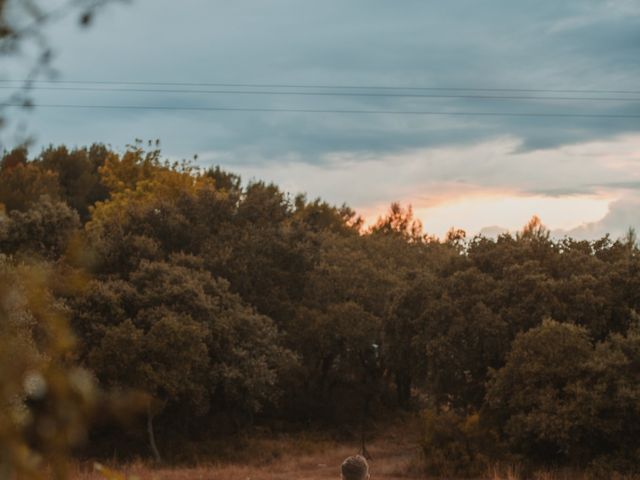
point(232, 304)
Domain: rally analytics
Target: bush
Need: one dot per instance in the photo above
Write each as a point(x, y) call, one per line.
point(561, 399)
point(455, 444)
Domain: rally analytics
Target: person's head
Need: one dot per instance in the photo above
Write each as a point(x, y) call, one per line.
point(355, 468)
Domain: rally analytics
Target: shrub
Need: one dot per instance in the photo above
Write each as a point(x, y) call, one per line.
point(454, 444)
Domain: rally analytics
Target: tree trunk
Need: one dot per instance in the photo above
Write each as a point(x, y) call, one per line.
point(363, 424)
point(152, 438)
point(403, 388)
point(363, 451)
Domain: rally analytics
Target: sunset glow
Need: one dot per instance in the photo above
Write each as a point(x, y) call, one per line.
point(474, 213)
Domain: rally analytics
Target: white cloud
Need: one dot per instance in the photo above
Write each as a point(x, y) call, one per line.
point(622, 214)
point(472, 187)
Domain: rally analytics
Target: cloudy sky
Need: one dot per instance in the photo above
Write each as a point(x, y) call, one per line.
point(542, 101)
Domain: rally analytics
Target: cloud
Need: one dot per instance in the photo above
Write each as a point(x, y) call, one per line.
point(471, 186)
point(429, 174)
point(493, 231)
point(464, 43)
point(622, 215)
point(369, 160)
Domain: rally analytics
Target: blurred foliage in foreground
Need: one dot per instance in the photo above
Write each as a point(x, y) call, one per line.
point(45, 398)
point(47, 401)
point(233, 305)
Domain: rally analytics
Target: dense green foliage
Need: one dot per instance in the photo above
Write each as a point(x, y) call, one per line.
point(231, 304)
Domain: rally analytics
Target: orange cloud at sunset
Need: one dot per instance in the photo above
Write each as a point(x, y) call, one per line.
point(473, 213)
point(491, 212)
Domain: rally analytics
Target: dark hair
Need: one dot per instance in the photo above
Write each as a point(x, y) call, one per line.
point(355, 468)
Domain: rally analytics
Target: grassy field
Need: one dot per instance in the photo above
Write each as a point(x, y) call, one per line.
point(295, 457)
point(393, 450)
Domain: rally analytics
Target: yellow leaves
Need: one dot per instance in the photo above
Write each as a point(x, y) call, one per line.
point(140, 171)
point(121, 173)
point(138, 183)
point(168, 184)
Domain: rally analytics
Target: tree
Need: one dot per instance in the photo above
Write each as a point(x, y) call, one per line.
point(22, 184)
point(560, 398)
point(169, 361)
point(608, 397)
point(336, 329)
point(405, 333)
point(78, 175)
point(460, 349)
point(533, 396)
point(399, 221)
point(45, 229)
point(160, 210)
point(181, 336)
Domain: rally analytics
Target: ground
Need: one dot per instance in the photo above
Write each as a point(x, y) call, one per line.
point(311, 456)
point(296, 457)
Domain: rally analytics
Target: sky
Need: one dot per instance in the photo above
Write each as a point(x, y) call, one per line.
point(574, 64)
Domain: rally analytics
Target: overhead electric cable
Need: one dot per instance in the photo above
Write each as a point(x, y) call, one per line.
point(331, 111)
point(332, 94)
point(326, 87)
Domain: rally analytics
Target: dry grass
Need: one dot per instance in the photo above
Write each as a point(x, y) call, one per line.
point(513, 472)
point(313, 457)
point(300, 457)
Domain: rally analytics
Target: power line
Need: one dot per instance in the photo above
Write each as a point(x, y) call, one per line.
point(332, 94)
point(328, 87)
point(331, 111)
